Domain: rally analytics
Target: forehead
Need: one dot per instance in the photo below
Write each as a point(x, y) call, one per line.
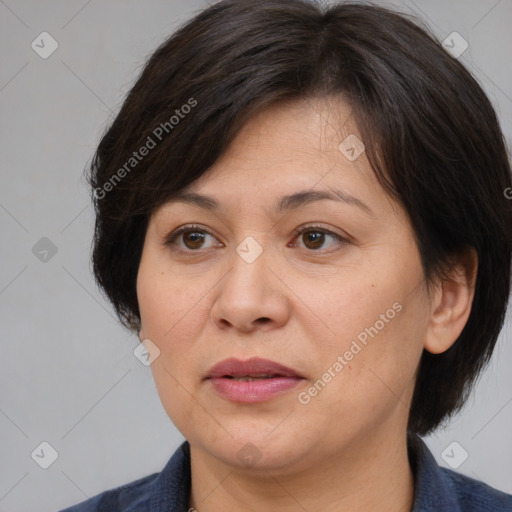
point(307, 127)
point(289, 155)
point(306, 141)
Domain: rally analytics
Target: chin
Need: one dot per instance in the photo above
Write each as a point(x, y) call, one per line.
point(254, 449)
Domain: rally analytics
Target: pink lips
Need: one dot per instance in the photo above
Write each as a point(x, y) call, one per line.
point(224, 375)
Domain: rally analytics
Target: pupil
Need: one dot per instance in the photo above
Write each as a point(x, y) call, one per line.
point(316, 238)
point(195, 238)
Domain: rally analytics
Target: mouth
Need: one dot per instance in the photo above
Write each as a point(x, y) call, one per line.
point(252, 369)
point(250, 378)
point(254, 380)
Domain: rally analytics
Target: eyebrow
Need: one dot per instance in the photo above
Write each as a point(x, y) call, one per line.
point(284, 203)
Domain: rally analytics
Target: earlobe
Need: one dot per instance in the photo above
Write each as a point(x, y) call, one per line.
point(451, 303)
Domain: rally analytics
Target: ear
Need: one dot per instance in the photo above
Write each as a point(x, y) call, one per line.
point(141, 336)
point(451, 303)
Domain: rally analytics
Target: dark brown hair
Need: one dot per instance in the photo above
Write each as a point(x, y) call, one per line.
point(430, 132)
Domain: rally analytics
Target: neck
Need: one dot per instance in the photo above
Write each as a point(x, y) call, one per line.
point(369, 475)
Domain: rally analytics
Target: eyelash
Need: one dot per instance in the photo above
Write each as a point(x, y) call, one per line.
point(171, 239)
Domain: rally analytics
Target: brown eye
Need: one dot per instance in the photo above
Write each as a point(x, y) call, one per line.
point(193, 239)
point(188, 238)
point(314, 238)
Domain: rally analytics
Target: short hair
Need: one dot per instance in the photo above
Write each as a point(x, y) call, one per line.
point(431, 134)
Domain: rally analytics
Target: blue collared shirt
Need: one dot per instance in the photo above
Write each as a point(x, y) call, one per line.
point(436, 489)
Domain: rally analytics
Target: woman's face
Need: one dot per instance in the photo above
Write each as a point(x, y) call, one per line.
point(342, 304)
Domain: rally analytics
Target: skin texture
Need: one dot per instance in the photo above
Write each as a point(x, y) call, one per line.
point(302, 303)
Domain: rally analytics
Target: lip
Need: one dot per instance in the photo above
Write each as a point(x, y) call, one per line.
point(222, 379)
point(253, 366)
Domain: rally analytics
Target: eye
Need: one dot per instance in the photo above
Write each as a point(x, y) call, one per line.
point(314, 237)
point(192, 238)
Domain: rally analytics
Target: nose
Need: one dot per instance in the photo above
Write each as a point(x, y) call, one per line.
point(251, 296)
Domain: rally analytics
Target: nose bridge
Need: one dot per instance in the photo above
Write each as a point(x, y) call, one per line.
point(250, 250)
point(247, 293)
point(250, 264)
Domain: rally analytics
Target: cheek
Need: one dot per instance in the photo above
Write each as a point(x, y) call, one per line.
point(164, 302)
point(173, 392)
point(374, 359)
point(172, 317)
point(377, 325)
point(346, 308)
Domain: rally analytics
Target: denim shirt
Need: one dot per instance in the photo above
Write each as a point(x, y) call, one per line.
point(436, 489)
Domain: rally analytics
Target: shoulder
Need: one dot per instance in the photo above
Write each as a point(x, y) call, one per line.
point(440, 489)
point(166, 491)
point(475, 496)
point(136, 493)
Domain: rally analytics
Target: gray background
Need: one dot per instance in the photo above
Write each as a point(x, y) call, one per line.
point(68, 374)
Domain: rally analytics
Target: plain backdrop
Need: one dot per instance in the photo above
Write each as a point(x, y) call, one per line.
point(68, 374)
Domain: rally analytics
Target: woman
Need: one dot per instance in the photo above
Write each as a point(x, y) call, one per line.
point(302, 213)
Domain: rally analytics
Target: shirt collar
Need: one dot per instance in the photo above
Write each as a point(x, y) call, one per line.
point(172, 487)
point(432, 490)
